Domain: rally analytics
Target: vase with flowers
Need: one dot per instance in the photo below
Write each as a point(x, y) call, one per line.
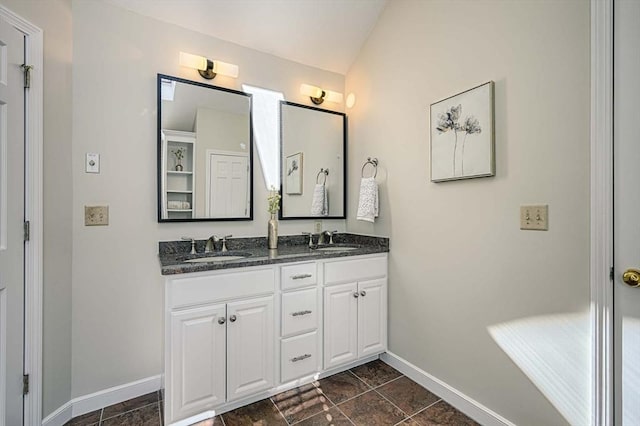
point(179, 154)
point(272, 230)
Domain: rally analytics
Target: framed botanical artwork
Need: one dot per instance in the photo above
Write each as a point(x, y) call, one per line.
point(293, 174)
point(462, 135)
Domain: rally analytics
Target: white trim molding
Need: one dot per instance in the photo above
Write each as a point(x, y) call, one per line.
point(33, 213)
point(460, 401)
point(97, 400)
point(602, 211)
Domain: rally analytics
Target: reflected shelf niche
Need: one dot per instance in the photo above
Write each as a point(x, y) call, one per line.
point(178, 173)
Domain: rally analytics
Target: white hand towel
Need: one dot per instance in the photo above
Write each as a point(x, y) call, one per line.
point(368, 201)
point(320, 201)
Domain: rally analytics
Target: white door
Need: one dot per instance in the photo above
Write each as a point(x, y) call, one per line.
point(340, 324)
point(228, 177)
point(626, 210)
point(197, 370)
point(11, 224)
point(250, 347)
point(372, 317)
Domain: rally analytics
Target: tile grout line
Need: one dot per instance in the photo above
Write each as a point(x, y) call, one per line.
point(124, 412)
point(278, 408)
point(347, 417)
point(389, 401)
point(392, 380)
point(418, 412)
point(221, 419)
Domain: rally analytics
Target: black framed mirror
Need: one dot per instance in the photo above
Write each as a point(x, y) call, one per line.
point(313, 162)
point(205, 152)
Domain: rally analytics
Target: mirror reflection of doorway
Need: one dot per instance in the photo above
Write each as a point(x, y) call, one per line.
point(227, 184)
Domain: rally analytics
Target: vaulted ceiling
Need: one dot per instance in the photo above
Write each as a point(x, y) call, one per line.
point(326, 34)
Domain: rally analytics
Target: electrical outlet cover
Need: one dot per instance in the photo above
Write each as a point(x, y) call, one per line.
point(96, 215)
point(317, 227)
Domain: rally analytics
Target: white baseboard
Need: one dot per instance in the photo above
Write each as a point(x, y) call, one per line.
point(59, 417)
point(462, 402)
point(97, 400)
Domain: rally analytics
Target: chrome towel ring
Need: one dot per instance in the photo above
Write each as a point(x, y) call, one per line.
point(374, 163)
point(323, 172)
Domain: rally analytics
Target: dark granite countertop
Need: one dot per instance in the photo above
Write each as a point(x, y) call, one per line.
point(175, 254)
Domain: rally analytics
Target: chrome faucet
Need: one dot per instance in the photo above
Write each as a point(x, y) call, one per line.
point(327, 235)
point(193, 244)
point(310, 238)
point(210, 247)
point(224, 242)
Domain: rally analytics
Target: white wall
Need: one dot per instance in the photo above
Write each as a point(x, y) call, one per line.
point(117, 287)
point(54, 17)
point(459, 263)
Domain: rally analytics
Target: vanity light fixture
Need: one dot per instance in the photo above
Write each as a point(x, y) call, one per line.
point(206, 67)
point(319, 95)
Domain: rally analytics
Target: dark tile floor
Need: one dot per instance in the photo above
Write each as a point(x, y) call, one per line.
point(369, 395)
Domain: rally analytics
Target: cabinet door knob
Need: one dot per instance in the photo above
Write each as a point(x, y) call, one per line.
point(363, 293)
point(222, 320)
point(232, 318)
point(356, 295)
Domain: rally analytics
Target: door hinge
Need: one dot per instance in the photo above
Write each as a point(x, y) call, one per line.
point(27, 230)
point(611, 274)
point(27, 75)
point(25, 384)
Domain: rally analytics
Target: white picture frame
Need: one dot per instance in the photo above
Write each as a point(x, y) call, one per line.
point(462, 139)
point(293, 174)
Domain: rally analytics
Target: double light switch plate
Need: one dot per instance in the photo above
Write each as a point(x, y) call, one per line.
point(534, 218)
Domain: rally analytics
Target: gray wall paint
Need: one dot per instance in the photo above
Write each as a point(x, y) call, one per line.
point(54, 17)
point(459, 263)
point(117, 287)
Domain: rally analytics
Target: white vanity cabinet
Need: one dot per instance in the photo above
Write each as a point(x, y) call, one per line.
point(220, 339)
point(355, 309)
point(235, 336)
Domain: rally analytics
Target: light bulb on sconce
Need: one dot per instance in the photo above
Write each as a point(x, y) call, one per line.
point(318, 95)
point(351, 100)
point(206, 67)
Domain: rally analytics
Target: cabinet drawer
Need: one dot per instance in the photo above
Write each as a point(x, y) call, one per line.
point(299, 356)
point(355, 270)
point(224, 286)
point(300, 275)
point(299, 311)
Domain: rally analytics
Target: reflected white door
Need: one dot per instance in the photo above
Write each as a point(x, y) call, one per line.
point(228, 185)
point(626, 210)
point(11, 224)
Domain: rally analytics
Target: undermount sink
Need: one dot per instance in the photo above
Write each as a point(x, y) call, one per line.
point(337, 248)
point(217, 258)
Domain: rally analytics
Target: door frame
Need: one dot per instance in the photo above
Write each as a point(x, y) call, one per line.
point(33, 213)
point(601, 209)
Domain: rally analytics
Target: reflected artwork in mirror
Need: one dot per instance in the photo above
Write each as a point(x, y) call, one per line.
point(205, 152)
point(313, 149)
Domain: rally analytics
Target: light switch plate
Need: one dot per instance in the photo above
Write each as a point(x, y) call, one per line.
point(534, 218)
point(96, 215)
point(92, 163)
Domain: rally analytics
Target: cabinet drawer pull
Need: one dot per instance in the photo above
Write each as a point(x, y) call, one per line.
point(300, 358)
point(295, 314)
point(300, 276)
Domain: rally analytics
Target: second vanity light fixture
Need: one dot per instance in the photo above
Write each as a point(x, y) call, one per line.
point(206, 67)
point(318, 95)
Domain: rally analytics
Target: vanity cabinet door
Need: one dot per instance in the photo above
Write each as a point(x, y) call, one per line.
point(340, 324)
point(250, 347)
point(197, 367)
point(372, 317)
